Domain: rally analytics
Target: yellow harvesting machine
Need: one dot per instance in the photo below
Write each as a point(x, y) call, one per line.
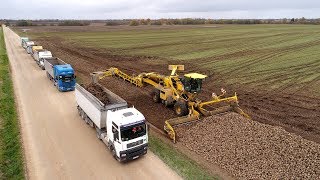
point(179, 92)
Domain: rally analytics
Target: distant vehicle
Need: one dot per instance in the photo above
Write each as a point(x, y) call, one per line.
point(61, 73)
point(29, 48)
point(27, 44)
point(35, 48)
point(40, 55)
point(122, 129)
point(24, 40)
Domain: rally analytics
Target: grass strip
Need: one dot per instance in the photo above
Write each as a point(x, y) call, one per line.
point(11, 158)
point(179, 162)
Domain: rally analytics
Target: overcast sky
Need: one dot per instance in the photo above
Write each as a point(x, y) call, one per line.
point(122, 9)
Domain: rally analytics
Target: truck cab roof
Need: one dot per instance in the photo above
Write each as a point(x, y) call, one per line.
point(128, 116)
point(24, 38)
point(29, 43)
point(64, 69)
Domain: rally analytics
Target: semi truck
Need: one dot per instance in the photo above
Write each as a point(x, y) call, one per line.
point(61, 73)
point(26, 44)
point(40, 55)
point(23, 40)
point(29, 48)
point(122, 129)
point(35, 48)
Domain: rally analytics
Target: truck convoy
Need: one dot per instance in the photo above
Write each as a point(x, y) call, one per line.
point(61, 73)
point(122, 129)
point(40, 55)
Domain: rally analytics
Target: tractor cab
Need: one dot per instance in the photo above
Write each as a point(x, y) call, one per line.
point(192, 82)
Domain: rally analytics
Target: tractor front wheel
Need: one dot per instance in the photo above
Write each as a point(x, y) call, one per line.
point(181, 108)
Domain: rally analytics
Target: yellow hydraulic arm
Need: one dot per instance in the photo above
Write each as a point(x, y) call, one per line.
point(116, 72)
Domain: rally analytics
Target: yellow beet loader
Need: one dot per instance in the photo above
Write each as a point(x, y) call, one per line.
point(179, 92)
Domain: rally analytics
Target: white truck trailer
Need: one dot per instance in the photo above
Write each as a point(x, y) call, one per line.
point(40, 55)
point(122, 129)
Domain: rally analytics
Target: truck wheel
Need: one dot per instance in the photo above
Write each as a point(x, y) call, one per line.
point(83, 115)
point(91, 124)
point(80, 113)
point(181, 108)
point(156, 95)
point(79, 110)
point(98, 133)
point(113, 151)
point(86, 119)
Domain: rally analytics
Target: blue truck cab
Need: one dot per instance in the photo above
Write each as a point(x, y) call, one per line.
point(65, 78)
point(61, 73)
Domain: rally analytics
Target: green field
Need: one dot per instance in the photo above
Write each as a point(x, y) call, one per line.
point(275, 57)
point(11, 159)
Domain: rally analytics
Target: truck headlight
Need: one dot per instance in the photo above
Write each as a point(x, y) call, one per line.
point(123, 155)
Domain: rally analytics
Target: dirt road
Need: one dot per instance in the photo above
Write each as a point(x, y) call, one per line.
point(57, 144)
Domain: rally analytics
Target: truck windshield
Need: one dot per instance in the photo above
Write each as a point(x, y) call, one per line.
point(67, 78)
point(133, 132)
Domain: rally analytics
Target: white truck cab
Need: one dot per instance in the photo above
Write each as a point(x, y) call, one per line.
point(127, 133)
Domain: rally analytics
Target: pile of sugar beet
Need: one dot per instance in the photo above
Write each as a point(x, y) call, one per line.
point(251, 150)
point(98, 92)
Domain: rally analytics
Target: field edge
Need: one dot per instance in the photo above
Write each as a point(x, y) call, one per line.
point(183, 165)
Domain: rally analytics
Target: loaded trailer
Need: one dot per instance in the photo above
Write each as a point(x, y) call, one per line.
point(122, 129)
point(40, 55)
point(61, 73)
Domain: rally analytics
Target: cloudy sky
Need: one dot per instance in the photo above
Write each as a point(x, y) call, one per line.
point(121, 9)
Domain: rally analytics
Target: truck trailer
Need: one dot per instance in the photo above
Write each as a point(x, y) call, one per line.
point(40, 55)
point(122, 129)
point(61, 73)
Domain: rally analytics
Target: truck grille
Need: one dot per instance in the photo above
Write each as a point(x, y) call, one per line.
point(130, 145)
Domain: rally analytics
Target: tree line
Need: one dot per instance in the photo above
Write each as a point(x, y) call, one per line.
point(138, 22)
point(197, 21)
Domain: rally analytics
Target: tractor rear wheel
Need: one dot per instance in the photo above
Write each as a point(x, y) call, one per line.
point(156, 95)
point(181, 108)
